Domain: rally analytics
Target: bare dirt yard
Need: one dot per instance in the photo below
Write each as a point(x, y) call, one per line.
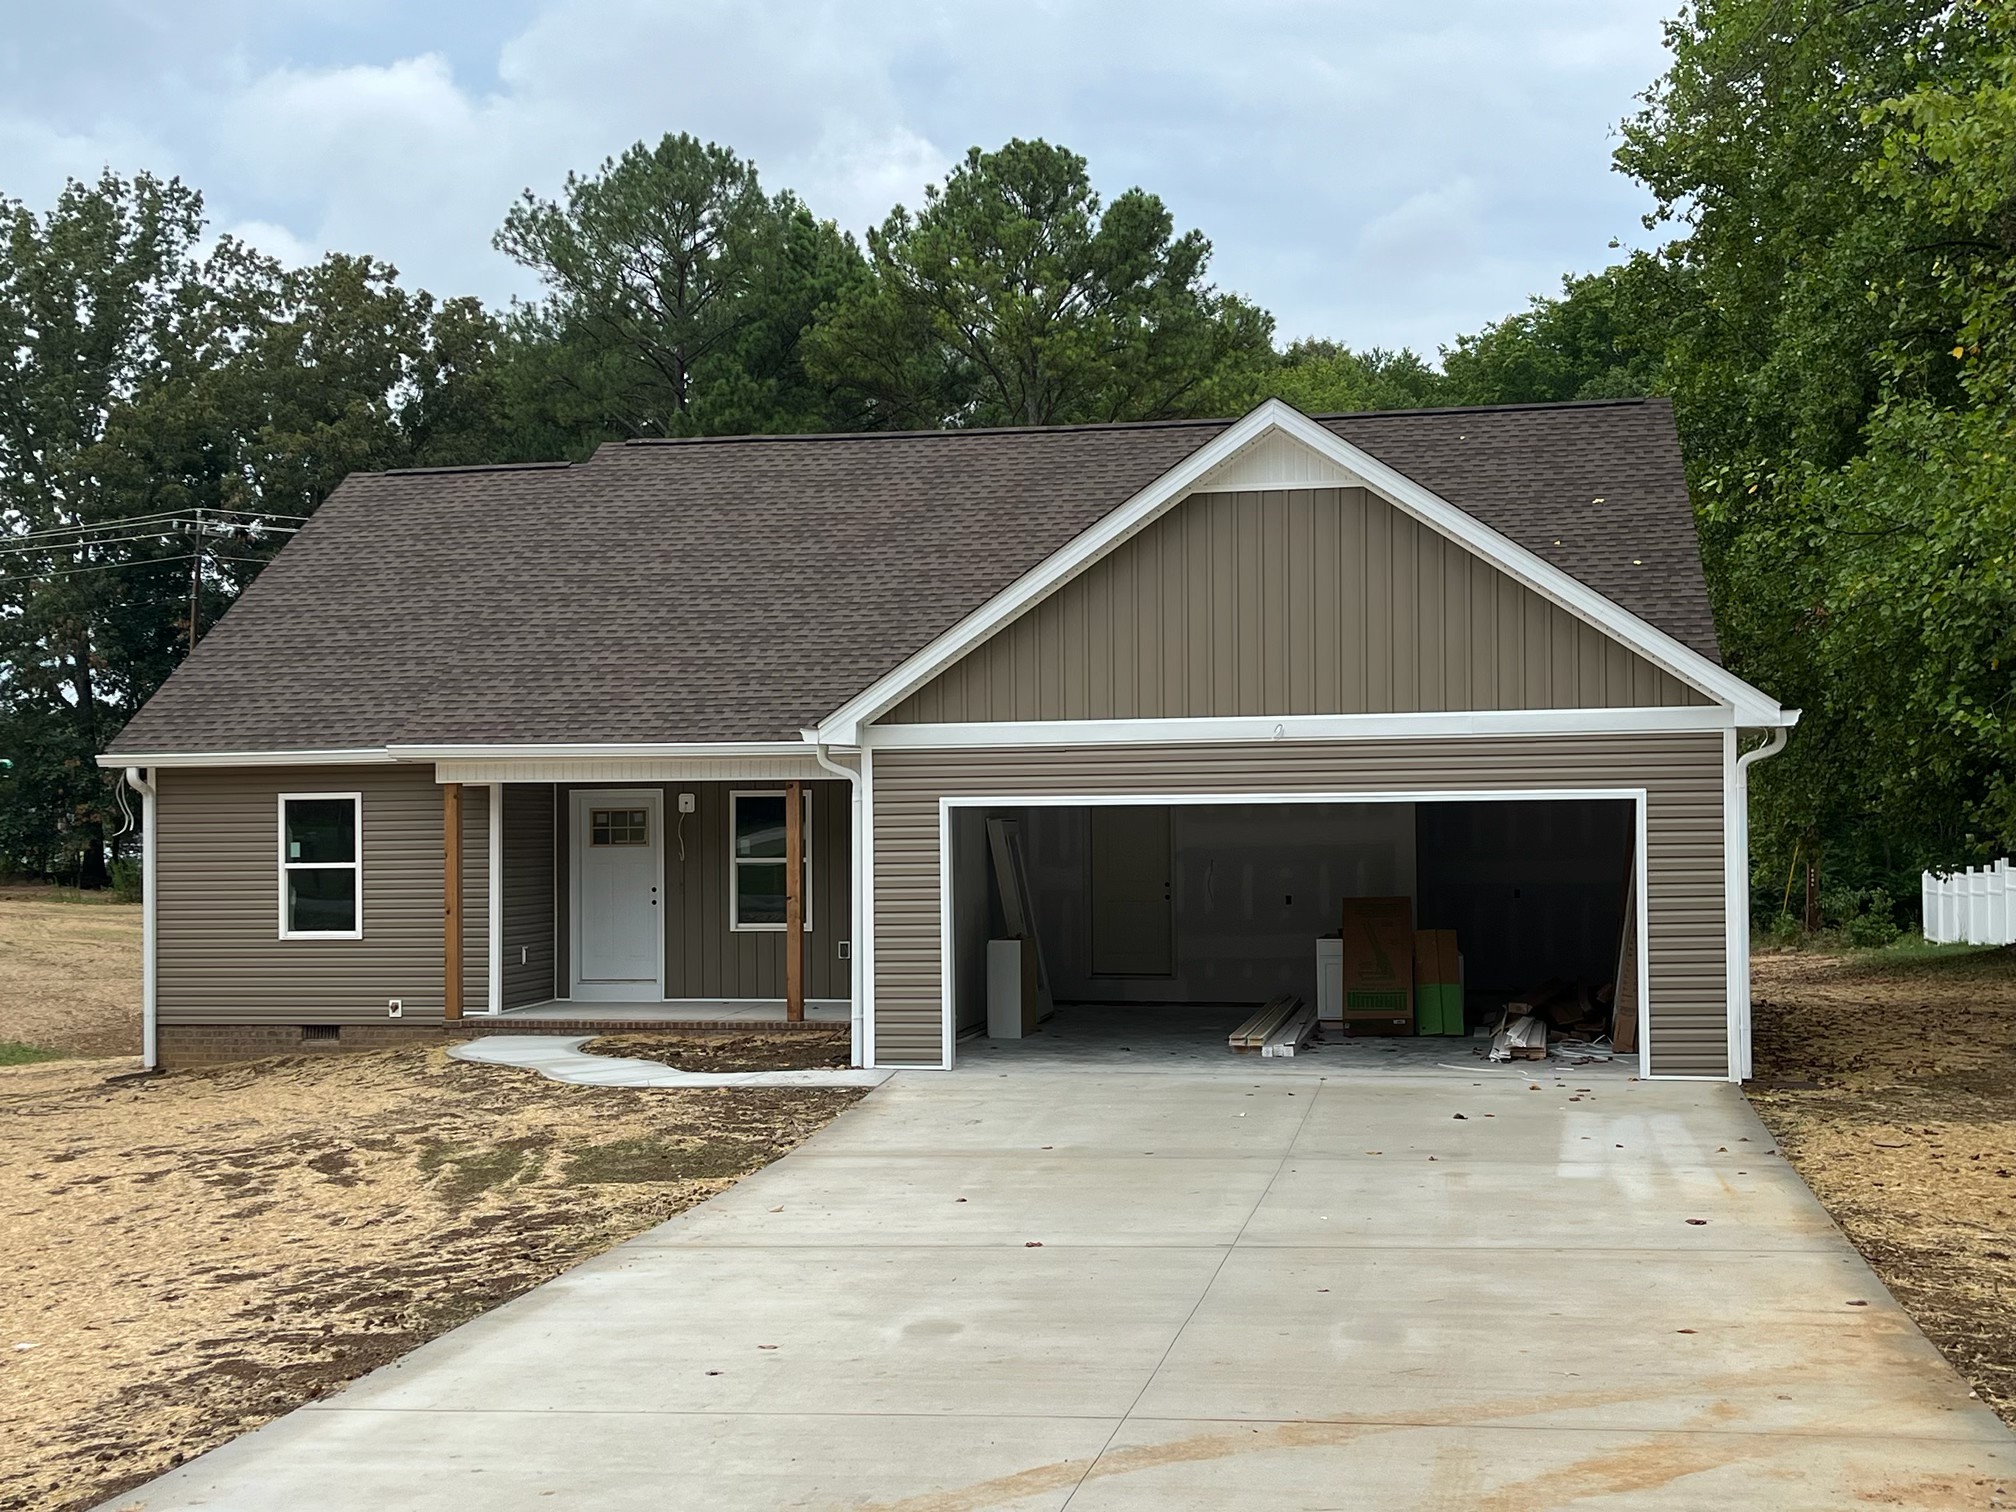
point(791, 1050)
point(1889, 1079)
point(69, 972)
point(186, 1256)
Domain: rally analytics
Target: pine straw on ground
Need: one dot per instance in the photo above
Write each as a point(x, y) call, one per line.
point(187, 1256)
point(1889, 1080)
point(69, 971)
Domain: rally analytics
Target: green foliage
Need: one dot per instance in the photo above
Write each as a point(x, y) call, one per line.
point(128, 882)
point(1600, 339)
point(1328, 378)
point(678, 294)
point(1833, 321)
point(1015, 296)
point(16, 1053)
point(142, 378)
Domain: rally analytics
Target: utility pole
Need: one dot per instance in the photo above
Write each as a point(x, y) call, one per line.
point(196, 579)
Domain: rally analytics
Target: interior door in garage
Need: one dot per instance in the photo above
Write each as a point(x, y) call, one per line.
point(1133, 923)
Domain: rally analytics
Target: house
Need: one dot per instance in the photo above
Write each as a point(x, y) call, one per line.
point(1464, 655)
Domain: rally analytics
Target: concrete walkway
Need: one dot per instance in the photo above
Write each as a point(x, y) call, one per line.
point(561, 1059)
point(1042, 1288)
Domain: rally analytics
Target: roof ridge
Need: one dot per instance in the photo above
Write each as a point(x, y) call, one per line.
point(1195, 421)
point(464, 467)
point(947, 432)
point(1486, 409)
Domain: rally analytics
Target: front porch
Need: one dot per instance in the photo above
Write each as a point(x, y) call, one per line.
point(649, 900)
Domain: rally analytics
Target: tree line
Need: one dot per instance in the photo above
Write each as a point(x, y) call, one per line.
point(1831, 309)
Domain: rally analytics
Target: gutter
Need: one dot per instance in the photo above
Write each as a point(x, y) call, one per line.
point(855, 957)
point(1739, 822)
point(142, 783)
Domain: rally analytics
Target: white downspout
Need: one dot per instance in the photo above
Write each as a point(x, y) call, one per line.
point(1739, 969)
point(143, 784)
point(854, 955)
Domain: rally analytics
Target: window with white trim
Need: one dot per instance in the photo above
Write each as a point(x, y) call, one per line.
point(321, 866)
point(756, 861)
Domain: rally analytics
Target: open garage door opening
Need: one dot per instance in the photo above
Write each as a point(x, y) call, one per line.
point(1154, 930)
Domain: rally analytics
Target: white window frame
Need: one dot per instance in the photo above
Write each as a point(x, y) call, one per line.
point(355, 864)
point(735, 862)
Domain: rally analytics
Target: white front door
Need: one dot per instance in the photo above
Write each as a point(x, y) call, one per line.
point(619, 950)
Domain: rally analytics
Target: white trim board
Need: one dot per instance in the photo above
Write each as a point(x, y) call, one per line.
point(1752, 707)
point(1639, 797)
point(669, 753)
point(1345, 727)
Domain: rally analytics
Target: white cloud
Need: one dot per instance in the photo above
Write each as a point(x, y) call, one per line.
point(1374, 173)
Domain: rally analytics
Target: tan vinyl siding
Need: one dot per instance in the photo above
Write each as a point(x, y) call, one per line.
point(1306, 601)
point(704, 958)
point(220, 957)
point(528, 894)
point(1682, 774)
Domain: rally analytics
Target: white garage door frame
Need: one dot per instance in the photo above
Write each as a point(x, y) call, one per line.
point(1637, 797)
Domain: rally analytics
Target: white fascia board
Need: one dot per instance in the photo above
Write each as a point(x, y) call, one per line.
point(352, 756)
point(1302, 727)
point(1755, 708)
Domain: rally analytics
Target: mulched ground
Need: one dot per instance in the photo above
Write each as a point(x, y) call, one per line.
point(1889, 1079)
point(185, 1257)
point(792, 1050)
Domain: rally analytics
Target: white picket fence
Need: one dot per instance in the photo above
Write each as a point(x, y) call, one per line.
point(1971, 907)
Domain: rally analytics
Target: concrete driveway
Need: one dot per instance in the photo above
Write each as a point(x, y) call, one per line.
point(1040, 1287)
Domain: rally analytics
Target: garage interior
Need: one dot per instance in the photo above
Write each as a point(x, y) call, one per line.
point(1160, 928)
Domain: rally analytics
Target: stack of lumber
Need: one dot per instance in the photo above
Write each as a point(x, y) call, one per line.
point(1281, 1027)
point(1521, 1037)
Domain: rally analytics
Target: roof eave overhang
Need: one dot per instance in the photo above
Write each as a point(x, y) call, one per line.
point(489, 751)
point(1752, 707)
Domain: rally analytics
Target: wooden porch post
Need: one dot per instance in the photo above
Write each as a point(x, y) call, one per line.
point(451, 901)
point(794, 902)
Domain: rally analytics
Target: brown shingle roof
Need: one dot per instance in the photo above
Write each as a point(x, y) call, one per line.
point(740, 589)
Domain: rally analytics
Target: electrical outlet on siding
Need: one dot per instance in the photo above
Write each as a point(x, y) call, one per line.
point(395, 1008)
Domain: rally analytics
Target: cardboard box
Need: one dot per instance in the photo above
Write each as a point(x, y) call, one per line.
point(1379, 965)
point(1438, 982)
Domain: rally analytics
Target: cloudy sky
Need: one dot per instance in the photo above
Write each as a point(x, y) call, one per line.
point(1377, 172)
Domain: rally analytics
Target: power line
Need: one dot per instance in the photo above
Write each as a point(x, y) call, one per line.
point(40, 577)
point(177, 528)
point(127, 522)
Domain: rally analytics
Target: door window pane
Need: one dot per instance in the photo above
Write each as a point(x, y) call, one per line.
point(619, 826)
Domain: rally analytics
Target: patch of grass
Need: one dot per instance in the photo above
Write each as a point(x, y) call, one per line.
point(14, 1053)
point(468, 1171)
point(1911, 955)
point(648, 1160)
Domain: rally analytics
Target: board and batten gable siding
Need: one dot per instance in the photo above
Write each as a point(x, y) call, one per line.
point(219, 956)
point(1682, 774)
point(704, 958)
point(530, 875)
point(1300, 601)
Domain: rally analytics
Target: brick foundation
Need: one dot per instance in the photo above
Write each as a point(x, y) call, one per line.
point(182, 1045)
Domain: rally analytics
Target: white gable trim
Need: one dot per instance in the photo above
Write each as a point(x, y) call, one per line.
point(1225, 456)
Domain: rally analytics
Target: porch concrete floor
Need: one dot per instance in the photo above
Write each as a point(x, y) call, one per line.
point(1024, 1286)
point(686, 1011)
